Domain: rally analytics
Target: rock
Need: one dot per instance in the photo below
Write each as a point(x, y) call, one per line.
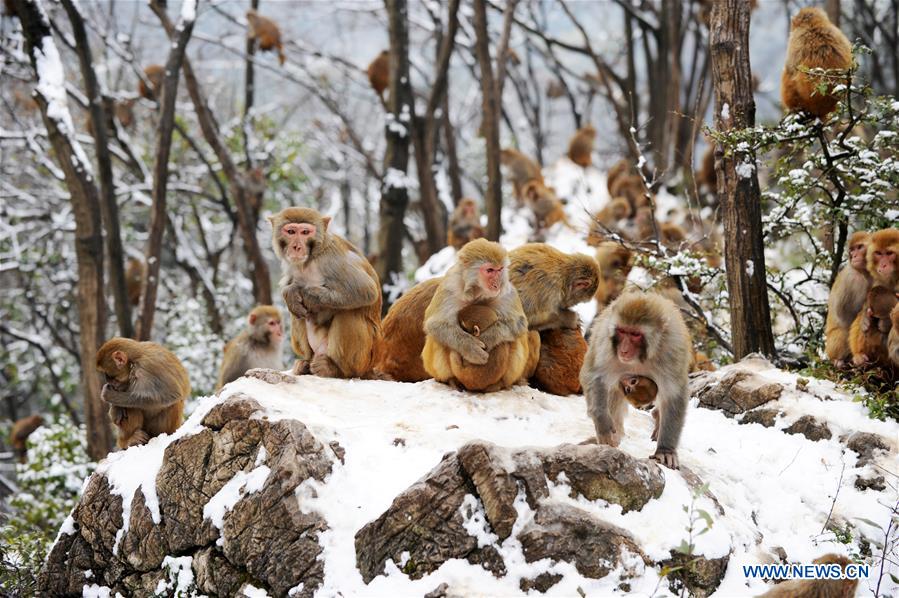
point(565, 533)
point(271, 376)
point(876, 482)
point(763, 417)
point(440, 591)
point(426, 524)
point(809, 427)
point(541, 583)
point(738, 390)
point(865, 444)
point(701, 576)
point(265, 537)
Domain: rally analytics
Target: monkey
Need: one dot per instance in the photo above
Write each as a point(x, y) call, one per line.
point(701, 363)
point(475, 319)
point(706, 177)
point(562, 352)
point(513, 57)
point(258, 346)
point(672, 235)
point(550, 283)
point(265, 32)
point(639, 391)
point(640, 334)
point(404, 335)
point(479, 276)
point(619, 169)
point(124, 112)
point(379, 73)
point(520, 170)
point(544, 204)
point(580, 148)
point(883, 258)
point(632, 188)
point(608, 219)
point(21, 430)
point(465, 224)
point(555, 90)
point(815, 43)
point(154, 74)
point(135, 273)
point(869, 332)
point(893, 338)
point(146, 387)
point(333, 295)
point(847, 297)
point(615, 262)
point(817, 588)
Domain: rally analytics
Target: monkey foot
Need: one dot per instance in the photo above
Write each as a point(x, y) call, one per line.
point(666, 458)
point(324, 367)
point(611, 439)
point(138, 438)
point(300, 367)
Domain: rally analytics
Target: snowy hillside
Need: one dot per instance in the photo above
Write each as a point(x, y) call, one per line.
point(767, 490)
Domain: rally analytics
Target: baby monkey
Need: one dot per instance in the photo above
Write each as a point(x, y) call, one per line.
point(641, 392)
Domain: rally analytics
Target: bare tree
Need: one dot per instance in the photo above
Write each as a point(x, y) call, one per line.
point(738, 184)
point(86, 207)
point(493, 199)
point(394, 195)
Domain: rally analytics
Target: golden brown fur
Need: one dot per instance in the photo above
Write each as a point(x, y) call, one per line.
point(816, 588)
point(465, 224)
point(701, 363)
point(706, 177)
point(21, 430)
point(562, 354)
point(379, 73)
point(257, 346)
point(266, 33)
point(869, 332)
point(615, 262)
point(619, 169)
point(146, 387)
point(814, 43)
point(883, 258)
point(520, 170)
point(154, 74)
point(847, 297)
point(580, 148)
point(333, 295)
point(475, 319)
point(134, 279)
point(609, 219)
point(893, 338)
point(544, 204)
point(404, 334)
point(639, 391)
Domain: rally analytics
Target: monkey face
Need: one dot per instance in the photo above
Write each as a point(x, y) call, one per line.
point(885, 262)
point(296, 240)
point(629, 344)
point(857, 254)
point(490, 277)
point(115, 369)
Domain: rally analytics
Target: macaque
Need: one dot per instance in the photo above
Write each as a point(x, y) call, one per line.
point(815, 43)
point(555, 90)
point(479, 276)
point(632, 188)
point(562, 352)
point(671, 235)
point(135, 273)
point(639, 334)
point(154, 74)
point(379, 73)
point(520, 170)
point(258, 346)
point(701, 363)
point(619, 169)
point(404, 335)
point(477, 318)
point(615, 262)
point(706, 176)
point(847, 297)
point(550, 283)
point(124, 112)
point(21, 430)
point(465, 224)
point(474, 320)
point(639, 391)
point(869, 332)
point(893, 337)
point(544, 204)
point(580, 148)
point(817, 588)
point(333, 295)
point(265, 32)
point(146, 387)
point(883, 258)
point(608, 219)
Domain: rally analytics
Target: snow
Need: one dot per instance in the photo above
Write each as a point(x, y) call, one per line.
point(237, 487)
point(725, 111)
point(180, 579)
point(188, 11)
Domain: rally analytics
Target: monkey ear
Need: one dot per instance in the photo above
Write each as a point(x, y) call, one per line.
point(870, 312)
point(271, 220)
point(326, 220)
point(252, 319)
point(119, 358)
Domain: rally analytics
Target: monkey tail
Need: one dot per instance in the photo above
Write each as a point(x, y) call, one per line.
point(281, 55)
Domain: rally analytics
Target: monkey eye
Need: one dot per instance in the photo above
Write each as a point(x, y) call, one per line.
point(305, 231)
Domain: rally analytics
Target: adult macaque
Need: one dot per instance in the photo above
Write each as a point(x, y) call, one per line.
point(258, 346)
point(544, 204)
point(639, 334)
point(615, 262)
point(146, 387)
point(135, 273)
point(265, 32)
point(847, 297)
point(18, 435)
point(883, 258)
point(154, 74)
point(869, 332)
point(580, 148)
point(817, 588)
point(815, 43)
point(332, 293)
point(706, 177)
point(404, 335)
point(620, 169)
point(562, 352)
point(379, 73)
point(550, 283)
point(465, 224)
point(608, 220)
point(520, 170)
point(479, 277)
point(893, 337)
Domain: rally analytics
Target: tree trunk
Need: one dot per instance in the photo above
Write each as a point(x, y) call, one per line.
point(158, 215)
point(493, 194)
point(109, 208)
point(249, 90)
point(832, 7)
point(86, 207)
point(739, 192)
point(394, 195)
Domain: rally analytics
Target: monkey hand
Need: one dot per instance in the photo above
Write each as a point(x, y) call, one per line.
point(492, 337)
point(865, 324)
point(860, 359)
point(293, 298)
point(569, 320)
point(138, 438)
point(475, 352)
point(667, 457)
point(117, 415)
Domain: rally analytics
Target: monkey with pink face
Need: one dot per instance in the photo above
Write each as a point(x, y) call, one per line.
point(638, 334)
